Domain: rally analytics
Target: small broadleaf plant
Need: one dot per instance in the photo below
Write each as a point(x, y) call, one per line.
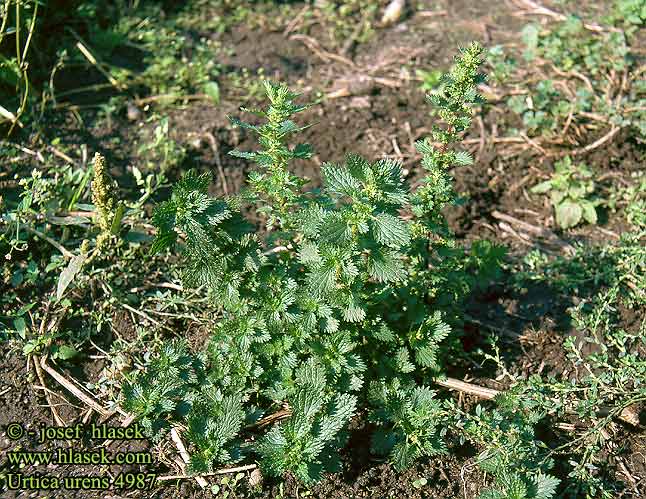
point(340, 300)
point(571, 190)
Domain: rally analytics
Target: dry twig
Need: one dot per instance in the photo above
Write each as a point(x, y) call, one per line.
point(537, 9)
point(171, 97)
point(72, 388)
point(64, 251)
point(463, 386)
point(539, 231)
point(184, 454)
point(314, 46)
point(597, 143)
point(223, 471)
point(50, 404)
point(216, 153)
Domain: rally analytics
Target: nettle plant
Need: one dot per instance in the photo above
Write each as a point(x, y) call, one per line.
point(571, 189)
point(344, 299)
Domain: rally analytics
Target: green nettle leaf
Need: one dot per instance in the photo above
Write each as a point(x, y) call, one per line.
point(425, 342)
point(402, 361)
point(213, 424)
point(389, 230)
point(354, 313)
point(492, 494)
point(334, 229)
point(309, 254)
point(568, 214)
point(383, 333)
point(339, 180)
point(544, 486)
point(164, 388)
point(386, 266)
point(305, 444)
point(513, 486)
point(322, 279)
point(463, 158)
point(410, 420)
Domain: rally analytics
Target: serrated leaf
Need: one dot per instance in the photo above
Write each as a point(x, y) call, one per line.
point(331, 325)
point(383, 333)
point(544, 485)
point(514, 486)
point(311, 219)
point(463, 158)
point(424, 147)
point(322, 280)
point(242, 124)
point(334, 229)
point(339, 180)
point(386, 267)
point(403, 455)
point(492, 494)
point(426, 356)
point(354, 313)
point(163, 241)
point(309, 254)
point(402, 361)
point(287, 127)
point(390, 230)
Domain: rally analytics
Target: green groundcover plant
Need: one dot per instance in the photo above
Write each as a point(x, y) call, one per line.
point(571, 190)
point(342, 300)
point(578, 79)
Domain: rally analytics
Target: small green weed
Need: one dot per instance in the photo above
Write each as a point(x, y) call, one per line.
point(18, 22)
point(569, 82)
point(511, 452)
point(162, 153)
point(631, 199)
point(431, 80)
point(571, 190)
